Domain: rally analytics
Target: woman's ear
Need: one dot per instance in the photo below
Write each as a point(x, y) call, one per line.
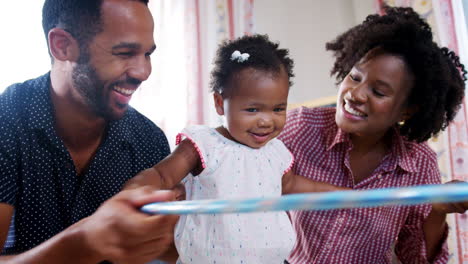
point(219, 103)
point(62, 45)
point(408, 112)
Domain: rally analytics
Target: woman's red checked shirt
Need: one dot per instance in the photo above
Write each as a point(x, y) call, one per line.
point(364, 235)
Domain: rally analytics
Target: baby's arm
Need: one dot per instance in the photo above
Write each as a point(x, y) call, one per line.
point(293, 183)
point(171, 170)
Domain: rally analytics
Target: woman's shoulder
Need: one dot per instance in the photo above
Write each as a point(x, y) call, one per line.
point(420, 151)
point(308, 120)
point(316, 114)
point(307, 123)
point(422, 159)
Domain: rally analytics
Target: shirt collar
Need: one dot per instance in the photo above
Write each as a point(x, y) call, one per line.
point(40, 109)
point(336, 136)
point(120, 130)
point(42, 118)
point(399, 153)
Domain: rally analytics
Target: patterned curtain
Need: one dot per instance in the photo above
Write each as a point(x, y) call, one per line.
point(187, 33)
point(219, 20)
point(446, 19)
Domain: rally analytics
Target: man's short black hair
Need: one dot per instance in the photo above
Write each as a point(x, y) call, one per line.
point(80, 18)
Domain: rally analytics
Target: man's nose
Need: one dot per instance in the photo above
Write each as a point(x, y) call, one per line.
point(140, 68)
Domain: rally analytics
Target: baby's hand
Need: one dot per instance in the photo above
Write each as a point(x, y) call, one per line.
point(179, 190)
point(341, 188)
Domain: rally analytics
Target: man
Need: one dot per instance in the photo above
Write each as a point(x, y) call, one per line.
point(69, 141)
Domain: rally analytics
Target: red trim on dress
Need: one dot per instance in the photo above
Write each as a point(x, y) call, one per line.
point(290, 165)
point(179, 139)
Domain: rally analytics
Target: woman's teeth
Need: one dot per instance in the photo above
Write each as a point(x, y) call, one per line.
point(352, 111)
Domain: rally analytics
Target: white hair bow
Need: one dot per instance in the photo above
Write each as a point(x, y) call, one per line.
point(240, 57)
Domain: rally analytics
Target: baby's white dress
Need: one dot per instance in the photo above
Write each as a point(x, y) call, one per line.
point(234, 171)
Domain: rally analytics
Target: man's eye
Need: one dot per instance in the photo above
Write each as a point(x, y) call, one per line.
point(124, 54)
point(251, 110)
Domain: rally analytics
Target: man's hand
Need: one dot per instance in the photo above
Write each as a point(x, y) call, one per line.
point(120, 233)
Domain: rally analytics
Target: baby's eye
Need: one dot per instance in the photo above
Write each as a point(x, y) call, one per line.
point(252, 110)
point(279, 109)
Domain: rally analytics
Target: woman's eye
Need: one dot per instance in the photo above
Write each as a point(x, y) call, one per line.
point(354, 78)
point(376, 92)
point(251, 110)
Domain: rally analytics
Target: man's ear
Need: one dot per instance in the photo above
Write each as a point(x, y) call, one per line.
point(219, 103)
point(62, 45)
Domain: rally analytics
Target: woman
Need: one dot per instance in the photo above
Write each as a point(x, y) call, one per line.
point(397, 88)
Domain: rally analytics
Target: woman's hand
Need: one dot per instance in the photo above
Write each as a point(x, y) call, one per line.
point(454, 207)
point(435, 225)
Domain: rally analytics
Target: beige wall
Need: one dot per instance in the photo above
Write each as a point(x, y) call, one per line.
point(304, 26)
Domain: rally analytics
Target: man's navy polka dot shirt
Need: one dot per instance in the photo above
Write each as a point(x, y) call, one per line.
point(37, 174)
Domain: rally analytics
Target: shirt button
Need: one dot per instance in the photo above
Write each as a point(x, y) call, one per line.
point(379, 176)
point(340, 220)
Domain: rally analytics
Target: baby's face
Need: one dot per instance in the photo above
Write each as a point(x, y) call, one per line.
point(255, 108)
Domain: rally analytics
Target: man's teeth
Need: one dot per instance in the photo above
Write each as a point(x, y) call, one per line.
point(352, 111)
point(124, 91)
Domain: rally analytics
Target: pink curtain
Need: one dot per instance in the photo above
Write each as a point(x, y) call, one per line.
point(457, 131)
point(452, 145)
point(210, 23)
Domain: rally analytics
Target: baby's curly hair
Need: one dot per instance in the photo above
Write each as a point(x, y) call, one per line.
point(264, 55)
point(438, 74)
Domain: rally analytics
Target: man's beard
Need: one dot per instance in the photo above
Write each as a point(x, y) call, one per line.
point(91, 87)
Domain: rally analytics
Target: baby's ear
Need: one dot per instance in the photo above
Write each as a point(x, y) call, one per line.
point(219, 103)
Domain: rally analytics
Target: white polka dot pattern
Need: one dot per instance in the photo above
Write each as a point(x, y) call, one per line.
point(235, 171)
point(363, 235)
point(37, 174)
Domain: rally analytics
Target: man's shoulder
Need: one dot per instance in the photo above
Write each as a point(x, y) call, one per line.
point(18, 97)
point(24, 88)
